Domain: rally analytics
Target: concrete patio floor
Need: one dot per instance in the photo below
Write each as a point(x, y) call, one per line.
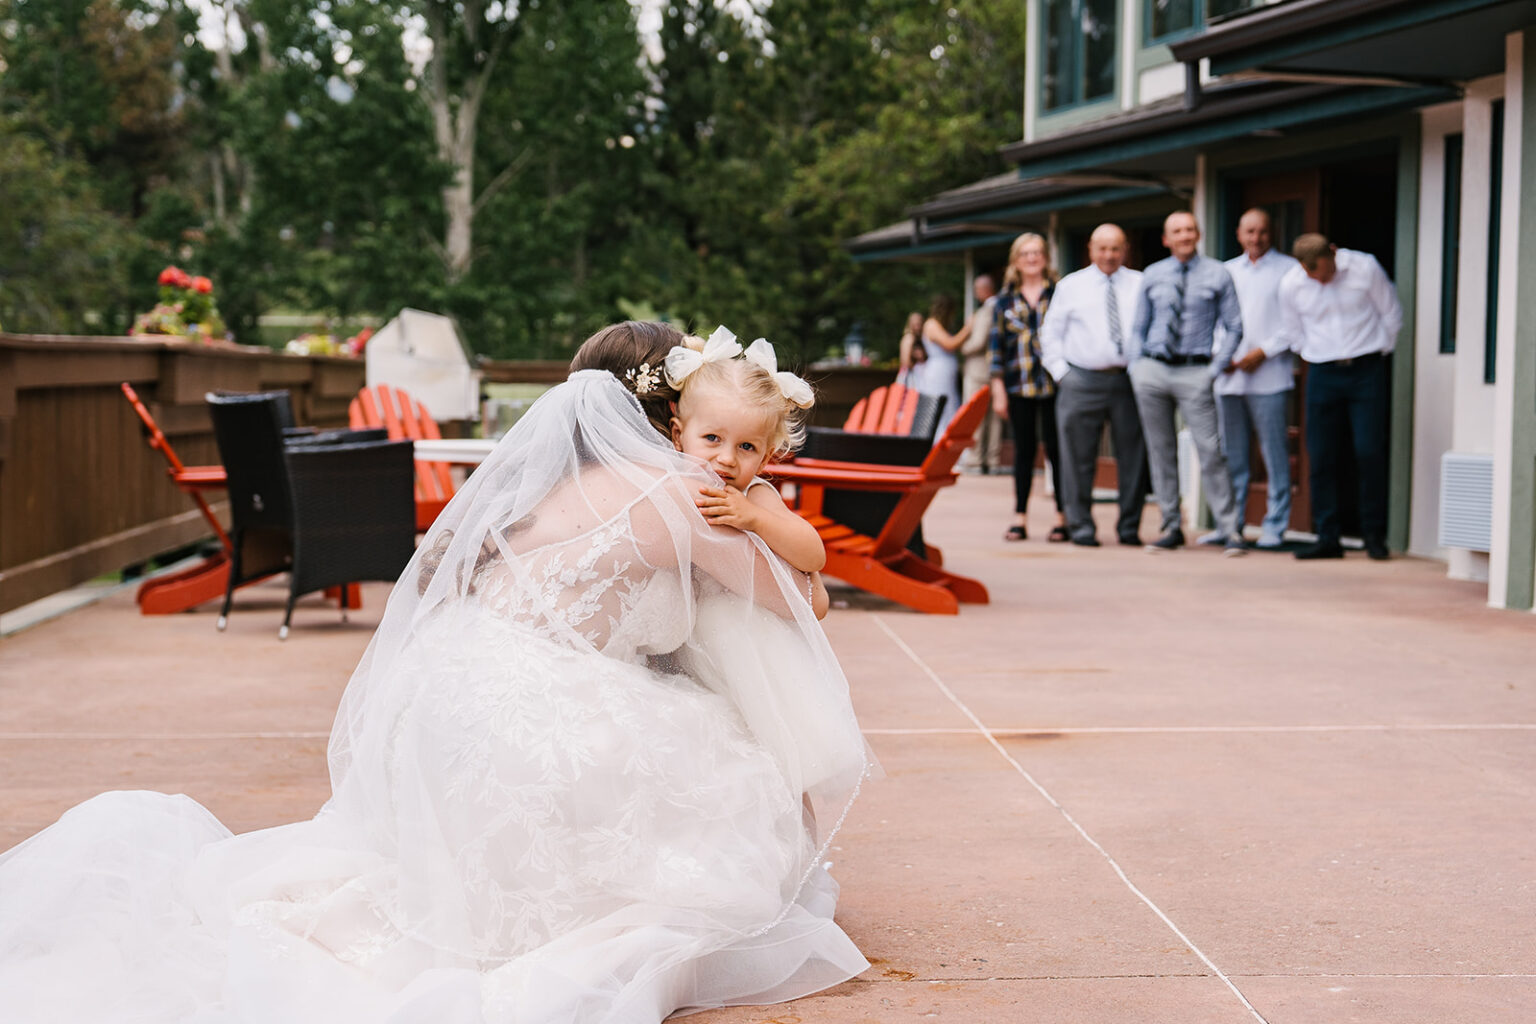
point(1172, 788)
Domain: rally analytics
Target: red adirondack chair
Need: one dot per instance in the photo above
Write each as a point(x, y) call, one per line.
point(887, 410)
point(396, 411)
point(208, 579)
point(882, 563)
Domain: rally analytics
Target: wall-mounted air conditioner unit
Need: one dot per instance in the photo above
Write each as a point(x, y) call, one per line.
point(1466, 501)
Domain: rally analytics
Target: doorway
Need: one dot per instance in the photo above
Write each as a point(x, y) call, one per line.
point(1353, 200)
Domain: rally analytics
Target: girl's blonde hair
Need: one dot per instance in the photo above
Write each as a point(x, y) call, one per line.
point(1011, 279)
point(757, 387)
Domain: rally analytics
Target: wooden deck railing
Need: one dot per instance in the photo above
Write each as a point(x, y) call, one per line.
point(81, 494)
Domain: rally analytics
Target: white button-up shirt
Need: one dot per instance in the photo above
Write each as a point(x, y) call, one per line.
point(1258, 293)
point(1355, 314)
point(1076, 326)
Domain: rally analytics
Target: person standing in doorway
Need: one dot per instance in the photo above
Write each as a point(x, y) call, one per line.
point(1251, 399)
point(975, 371)
point(1182, 299)
point(1022, 388)
point(1085, 344)
point(1340, 313)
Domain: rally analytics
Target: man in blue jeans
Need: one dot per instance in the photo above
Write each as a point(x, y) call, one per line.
point(1251, 398)
point(1340, 313)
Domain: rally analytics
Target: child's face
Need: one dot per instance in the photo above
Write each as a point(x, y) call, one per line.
point(718, 428)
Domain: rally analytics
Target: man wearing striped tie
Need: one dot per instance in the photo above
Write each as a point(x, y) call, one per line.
point(1174, 368)
point(1084, 344)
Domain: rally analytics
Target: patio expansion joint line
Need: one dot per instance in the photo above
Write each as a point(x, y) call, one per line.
point(1066, 815)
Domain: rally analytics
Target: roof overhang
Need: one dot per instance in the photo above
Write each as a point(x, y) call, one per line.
point(1426, 41)
point(993, 211)
point(1166, 135)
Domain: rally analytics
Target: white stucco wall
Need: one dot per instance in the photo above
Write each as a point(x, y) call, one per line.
point(1434, 384)
point(1474, 414)
point(1160, 82)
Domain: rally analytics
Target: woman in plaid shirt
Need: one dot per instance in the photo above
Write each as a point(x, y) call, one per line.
point(1022, 389)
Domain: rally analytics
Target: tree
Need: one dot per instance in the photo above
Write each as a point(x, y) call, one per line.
point(98, 79)
point(60, 251)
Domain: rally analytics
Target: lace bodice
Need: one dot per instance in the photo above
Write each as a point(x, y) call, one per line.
point(596, 589)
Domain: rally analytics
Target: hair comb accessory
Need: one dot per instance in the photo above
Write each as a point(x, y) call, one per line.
point(644, 379)
point(796, 391)
point(682, 362)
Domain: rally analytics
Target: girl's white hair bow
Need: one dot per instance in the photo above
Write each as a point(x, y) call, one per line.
point(682, 362)
point(796, 391)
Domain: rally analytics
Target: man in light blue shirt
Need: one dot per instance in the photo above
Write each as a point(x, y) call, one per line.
point(1252, 399)
point(1182, 299)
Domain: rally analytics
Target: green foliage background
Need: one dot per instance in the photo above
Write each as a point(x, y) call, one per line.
point(712, 182)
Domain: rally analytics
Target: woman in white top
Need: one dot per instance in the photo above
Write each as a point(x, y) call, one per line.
point(939, 373)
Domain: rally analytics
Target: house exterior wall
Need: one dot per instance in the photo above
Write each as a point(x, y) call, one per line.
point(1443, 401)
point(1435, 372)
point(1511, 572)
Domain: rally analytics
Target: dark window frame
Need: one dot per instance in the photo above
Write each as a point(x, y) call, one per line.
point(1195, 27)
point(1450, 241)
point(1495, 210)
point(1079, 53)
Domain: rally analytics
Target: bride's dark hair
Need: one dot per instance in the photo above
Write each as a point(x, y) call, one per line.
point(618, 349)
point(624, 347)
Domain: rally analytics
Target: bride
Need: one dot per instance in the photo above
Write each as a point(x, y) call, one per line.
point(535, 817)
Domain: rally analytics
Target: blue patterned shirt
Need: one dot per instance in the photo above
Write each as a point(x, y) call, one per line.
point(1208, 296)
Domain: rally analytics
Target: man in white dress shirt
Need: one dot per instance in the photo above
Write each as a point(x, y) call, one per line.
point(1252, 398)
point(1340, 313)
point(976, 374)
point(1085, 344)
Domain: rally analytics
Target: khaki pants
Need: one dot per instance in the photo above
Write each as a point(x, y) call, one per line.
point(987, 451)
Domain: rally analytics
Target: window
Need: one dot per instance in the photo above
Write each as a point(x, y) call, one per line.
point(1081, 51)
point(1495, 190)
point(1215, 9)
point(1169, 18)
point(1450, 243)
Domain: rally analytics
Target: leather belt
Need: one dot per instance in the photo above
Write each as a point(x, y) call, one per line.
point(1365, 360)
point(1181, 360)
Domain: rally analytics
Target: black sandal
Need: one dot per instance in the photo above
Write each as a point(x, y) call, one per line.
point(1059, 535)
point(1016, 532)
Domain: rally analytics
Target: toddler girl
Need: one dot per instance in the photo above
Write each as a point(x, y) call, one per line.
point(735, 410)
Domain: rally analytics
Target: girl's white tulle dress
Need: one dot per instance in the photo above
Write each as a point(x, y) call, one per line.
point(568, 776)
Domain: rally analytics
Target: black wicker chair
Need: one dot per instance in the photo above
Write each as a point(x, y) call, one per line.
point(327, 512)
point(867, 511)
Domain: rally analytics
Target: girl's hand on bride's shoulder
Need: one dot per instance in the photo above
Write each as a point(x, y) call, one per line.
point(726, 506)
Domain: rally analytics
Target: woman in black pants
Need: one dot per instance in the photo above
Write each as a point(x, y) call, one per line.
point(1022, 389)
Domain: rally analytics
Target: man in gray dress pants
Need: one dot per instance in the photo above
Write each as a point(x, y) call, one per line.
point(1182, 299)
point(1084, 344)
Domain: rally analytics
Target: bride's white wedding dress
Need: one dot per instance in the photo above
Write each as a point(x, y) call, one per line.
point(535, 816)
